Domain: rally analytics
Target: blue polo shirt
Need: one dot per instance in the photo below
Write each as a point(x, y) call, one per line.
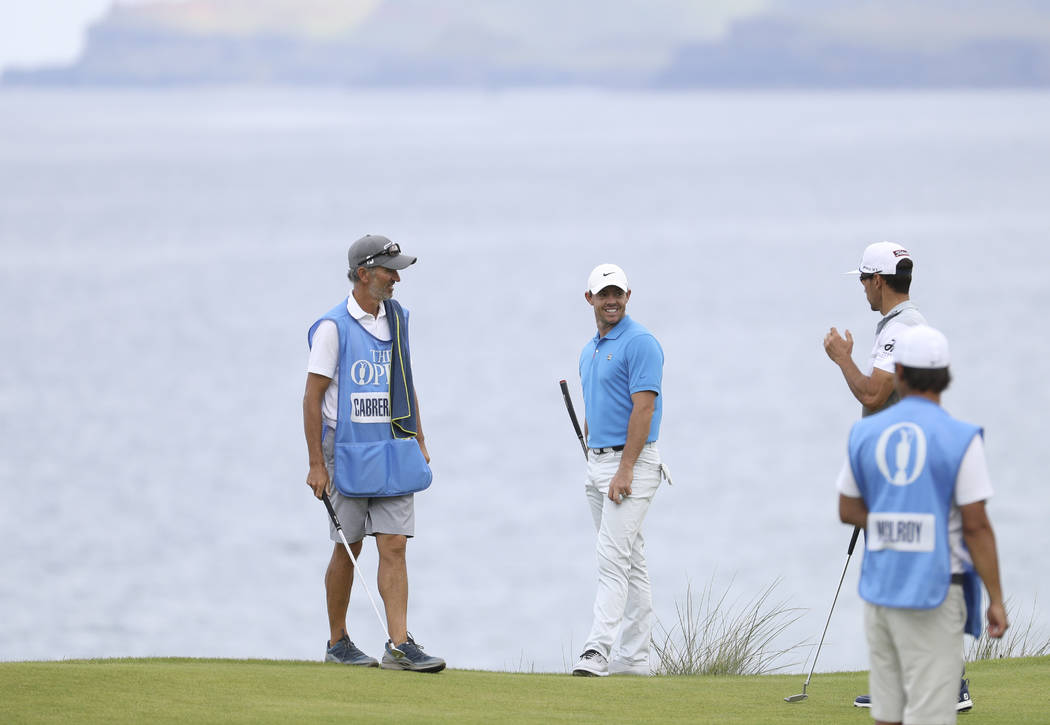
point(627, 360)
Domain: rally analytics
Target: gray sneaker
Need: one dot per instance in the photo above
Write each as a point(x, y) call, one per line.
point(414, 659)
point(346, 652)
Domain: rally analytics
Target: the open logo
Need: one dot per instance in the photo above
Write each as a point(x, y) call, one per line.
point(908, 445)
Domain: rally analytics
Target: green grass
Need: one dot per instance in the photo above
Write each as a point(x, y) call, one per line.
point(230, 691)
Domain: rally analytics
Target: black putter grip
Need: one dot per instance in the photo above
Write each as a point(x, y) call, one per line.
point(331, 511)
point(572, 411)
point(853, 541)
point(572, 414)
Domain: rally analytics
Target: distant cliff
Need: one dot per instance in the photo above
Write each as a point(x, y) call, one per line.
point(610, 43)
point(778, 54)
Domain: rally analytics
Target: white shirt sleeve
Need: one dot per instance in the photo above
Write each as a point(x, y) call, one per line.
point(846, 484)
point(973, 482)
point(324, 352)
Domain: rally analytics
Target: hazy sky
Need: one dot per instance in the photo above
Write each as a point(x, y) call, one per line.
point(44, 31)
point(36, 32)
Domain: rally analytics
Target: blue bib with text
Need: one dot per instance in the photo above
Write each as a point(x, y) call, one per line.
point(905, 460)
point(369, 460)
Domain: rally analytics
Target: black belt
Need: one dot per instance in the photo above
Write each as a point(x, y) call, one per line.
point(610, 449)
point(958, 578)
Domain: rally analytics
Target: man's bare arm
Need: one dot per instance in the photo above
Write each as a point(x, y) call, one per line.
point(871, 390)
point(980, 540)
point(317, 477)
point(853, 511)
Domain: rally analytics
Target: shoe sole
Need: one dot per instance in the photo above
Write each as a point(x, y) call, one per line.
point(410, 668)
point(578, 672)
point(961, 707)
point(371, 663)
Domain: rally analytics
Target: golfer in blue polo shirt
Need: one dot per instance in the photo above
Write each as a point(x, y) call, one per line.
point(621, 369)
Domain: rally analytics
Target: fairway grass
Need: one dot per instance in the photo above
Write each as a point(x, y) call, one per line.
point(260, 691)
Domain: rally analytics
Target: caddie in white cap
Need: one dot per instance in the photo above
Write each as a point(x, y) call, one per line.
point(885, 272)
point(916, 480)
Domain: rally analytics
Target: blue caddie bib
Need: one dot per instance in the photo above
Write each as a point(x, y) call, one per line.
point(905, 460)
point(369, 460)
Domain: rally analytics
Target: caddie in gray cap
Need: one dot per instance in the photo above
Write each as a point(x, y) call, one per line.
point(367, 454)
point(375, 250)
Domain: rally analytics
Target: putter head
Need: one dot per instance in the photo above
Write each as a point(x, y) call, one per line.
point(796, 698)
point(394, 651)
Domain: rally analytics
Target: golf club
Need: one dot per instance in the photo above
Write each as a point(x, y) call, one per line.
point(391, 648)
point(572, 415)
point(576, 424)
point(849, 552)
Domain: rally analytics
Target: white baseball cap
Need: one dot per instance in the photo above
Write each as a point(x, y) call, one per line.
point(604, 275)
point(921, 347)
point(881, 258)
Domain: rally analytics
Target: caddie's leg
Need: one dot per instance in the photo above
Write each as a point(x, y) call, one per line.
point(885, 681)
point(393, 584)
point(931, 657)
point(338, 580)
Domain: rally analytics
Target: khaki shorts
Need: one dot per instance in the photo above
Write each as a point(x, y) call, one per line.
point(916, 660)
point(362, 517)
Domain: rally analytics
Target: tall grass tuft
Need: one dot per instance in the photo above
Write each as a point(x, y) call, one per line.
point(709, 639)
point(525, 666)
point(1019, 641)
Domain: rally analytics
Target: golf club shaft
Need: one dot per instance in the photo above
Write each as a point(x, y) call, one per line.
point(339, 528)
point(572, 416)
point(849, 554)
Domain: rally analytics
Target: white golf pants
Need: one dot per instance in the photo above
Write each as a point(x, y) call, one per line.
point(624, 602)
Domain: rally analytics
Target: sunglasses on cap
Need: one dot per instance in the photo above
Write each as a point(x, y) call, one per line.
point(391, 249)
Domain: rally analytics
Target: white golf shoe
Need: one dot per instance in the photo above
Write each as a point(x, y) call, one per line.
point(592, 663)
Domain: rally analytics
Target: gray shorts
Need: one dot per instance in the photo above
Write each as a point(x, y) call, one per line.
point(916, 660)
point(362, 517)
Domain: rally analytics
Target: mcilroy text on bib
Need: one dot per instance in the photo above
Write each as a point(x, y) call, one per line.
point(901, 532)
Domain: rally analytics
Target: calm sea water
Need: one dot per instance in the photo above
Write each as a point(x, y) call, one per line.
point(163, 254)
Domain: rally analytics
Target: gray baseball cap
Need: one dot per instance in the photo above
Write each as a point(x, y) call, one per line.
point(375, 250)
